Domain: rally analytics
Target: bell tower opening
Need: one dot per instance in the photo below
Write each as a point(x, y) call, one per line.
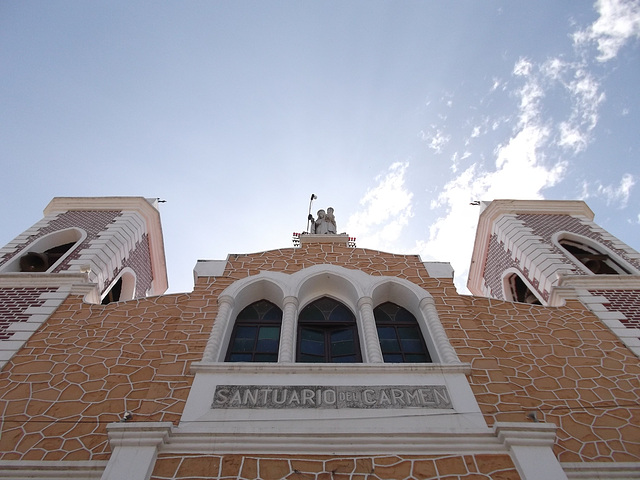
point(597, 262)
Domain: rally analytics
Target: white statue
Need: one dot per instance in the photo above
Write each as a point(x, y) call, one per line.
point(330, 220)
point(325, 223)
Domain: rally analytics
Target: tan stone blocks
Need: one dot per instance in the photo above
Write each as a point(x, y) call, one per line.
point(316, 467)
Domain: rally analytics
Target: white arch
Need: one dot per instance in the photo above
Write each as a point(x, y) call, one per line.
point(59, 237)
point(128, 289)
point(590, 243)
point(506, 287)
point(357, 290)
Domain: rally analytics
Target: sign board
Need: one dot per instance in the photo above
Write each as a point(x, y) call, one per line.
point(322, 396)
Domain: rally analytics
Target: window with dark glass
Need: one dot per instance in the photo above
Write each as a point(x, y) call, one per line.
point(256, 334)
point(327, 333)
point(596, 261)
point(400, 336)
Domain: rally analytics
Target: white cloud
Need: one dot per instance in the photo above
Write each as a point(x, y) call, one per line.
point(435, 139)
point(618, 22)
point(386, 210)
point(613, 194)
point(586, 98)
point(521, 172)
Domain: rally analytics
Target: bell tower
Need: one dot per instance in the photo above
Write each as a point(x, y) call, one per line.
point(544, 252)
point(107, 249)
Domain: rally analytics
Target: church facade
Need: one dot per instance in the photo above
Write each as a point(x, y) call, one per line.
point(321, 361)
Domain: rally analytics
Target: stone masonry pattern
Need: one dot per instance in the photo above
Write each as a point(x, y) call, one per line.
point(14, 302)
point(140, 261)
point(315, 467)
point(623, 301)
point(90, 363)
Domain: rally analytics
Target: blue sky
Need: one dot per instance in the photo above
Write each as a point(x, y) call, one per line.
point(397, 114)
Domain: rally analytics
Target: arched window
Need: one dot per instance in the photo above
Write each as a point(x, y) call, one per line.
point(256, 334)
point(327, 333)
point(401, 340)
point(517, 290)
point(594, 260)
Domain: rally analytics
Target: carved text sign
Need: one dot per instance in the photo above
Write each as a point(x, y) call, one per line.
point(306, 396)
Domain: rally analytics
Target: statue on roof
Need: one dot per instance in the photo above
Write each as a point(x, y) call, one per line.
point(325, 224)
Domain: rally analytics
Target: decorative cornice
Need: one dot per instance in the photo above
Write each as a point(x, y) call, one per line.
point(600, 282)
point(333, 369)
point(190, 440)
point(138, 434)
point(525, 434)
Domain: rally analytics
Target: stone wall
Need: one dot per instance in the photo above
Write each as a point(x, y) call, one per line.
point(90, 363)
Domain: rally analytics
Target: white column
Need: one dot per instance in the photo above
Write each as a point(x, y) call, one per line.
point(438, 335)
point(373, 352)
point(212, 350)
point(531, 448)
point(288, 330)
point(134, 449)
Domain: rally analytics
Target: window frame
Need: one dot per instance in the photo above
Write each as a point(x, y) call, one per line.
point(396, 326)
point(260, 322)
point(327, 327)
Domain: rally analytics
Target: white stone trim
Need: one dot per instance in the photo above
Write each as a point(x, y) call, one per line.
point(329, 238)
point(134, 449)
point(52, 470)
point(602, 470)
point(129, 282)
point(345, 285)
point(439, 269)
point(188, 440)
point(209, 268)
point(531, 448)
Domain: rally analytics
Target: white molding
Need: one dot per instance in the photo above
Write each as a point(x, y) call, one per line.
point(134, 449)
point(439, 269)
point(209, 268)
point(602, 470)
point(186, 440)
point(600, 282)
point(531, 448)
point(52, 470)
